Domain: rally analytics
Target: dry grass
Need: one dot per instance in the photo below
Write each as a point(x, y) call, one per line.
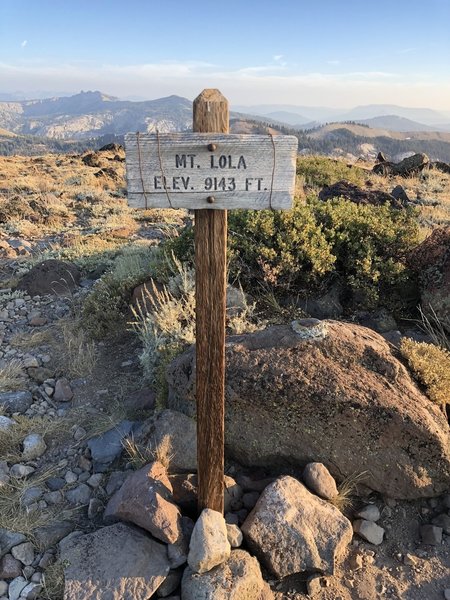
point(432, 326)
point(14, 515)
point(11, 376)
point(79, 352)
point(347, 491)
point(12, 438)
point(139, 456)
point(53, 582)
point(27, 341)
point(431, 366)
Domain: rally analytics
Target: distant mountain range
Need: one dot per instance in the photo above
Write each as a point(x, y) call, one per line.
point(88, 119)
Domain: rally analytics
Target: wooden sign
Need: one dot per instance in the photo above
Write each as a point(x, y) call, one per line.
point(206, 170)
point(210, 169)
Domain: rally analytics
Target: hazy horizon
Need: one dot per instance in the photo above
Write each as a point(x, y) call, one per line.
point(324, 54)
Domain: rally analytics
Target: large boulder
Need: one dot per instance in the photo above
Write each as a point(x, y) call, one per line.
point(119, 561)
point(144, 499)
point(292, 531)
point(411, 165)
point(350, 191)
point(340, 397)
point(431, 260)
point(237, 579)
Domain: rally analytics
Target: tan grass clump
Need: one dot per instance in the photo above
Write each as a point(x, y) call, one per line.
point(11, 376)
point(139, 456)
point(431, 366)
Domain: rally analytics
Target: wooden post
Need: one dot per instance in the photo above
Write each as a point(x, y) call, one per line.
point(210, 116)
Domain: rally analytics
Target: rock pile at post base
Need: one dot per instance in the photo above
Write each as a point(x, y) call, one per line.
point(342, 399)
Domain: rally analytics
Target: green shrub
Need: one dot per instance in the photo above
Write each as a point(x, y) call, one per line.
point(320, 170)
point(301, 250)
point(431, 365)
point(104, 308)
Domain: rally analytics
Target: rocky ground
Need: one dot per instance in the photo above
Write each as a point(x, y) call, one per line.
point(82, 435)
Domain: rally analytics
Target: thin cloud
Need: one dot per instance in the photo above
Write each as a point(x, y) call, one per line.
point(24, 43)
point(333, 62)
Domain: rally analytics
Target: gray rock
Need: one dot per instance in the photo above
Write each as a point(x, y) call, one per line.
point(63, 392)
point(209, 545)
point(70, 477)
point(319, 480)
point(143, 500)
point(108, 446)
point(431, 534)
point(239, 578)
point(34, 446)
point(118, 561)
point(3, 588)
point(170, 584)
point(49, 535)
point(4, 473)
point(24, 552)
point(234, 535)
point(10, 567)
point(95, 508)
point(15, 587)
point(31, 591)
point(95, 480)
point(291, 530)
point(447, 594)
point(371, 512)
point(53, 498)
point(442, 520)
point(79, 495)
point(9, 539)
point(16, 401)
point(314, 585)
point(115, 481)
point(369, 531)
point(55, 483)
point(6, 424)
point(29, 361)
point(177, 553)
point(21, 471)
point(249, 499)
point(262, 429)
point(182, 432)
point(69, 539)
point(31, 495)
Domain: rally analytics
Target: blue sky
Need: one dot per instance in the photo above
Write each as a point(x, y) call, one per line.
point(323, 52)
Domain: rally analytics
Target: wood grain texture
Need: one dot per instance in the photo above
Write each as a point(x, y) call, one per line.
point(210, 114)
point(244, 171)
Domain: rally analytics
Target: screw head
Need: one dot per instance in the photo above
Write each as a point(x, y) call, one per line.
point(210, 199)
point(212, 147)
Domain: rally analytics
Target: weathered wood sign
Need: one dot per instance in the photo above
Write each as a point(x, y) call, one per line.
point(210, 169)
point(205, 170)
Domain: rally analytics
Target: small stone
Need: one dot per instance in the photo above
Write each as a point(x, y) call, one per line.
point(36, 577)
point(209, 545)
point(24, 553)
point(231, 519)
point(70, 477)
point(410, 560)
point(31, 591)
point(15, 588)
point(319, 480)
point(79, 434)
point(234, 535)
point(53, 498)
point(10, 567)
point(63, 391)
point(16, 402)
point(38, 321)
point(371, 512)
point(95, 480)
point(431, 534)
point(170, 584)
point(6, 424)
point(447, 594)
point(250, 499)
point(34, 446)
point(55, 483)
point(47, 559)
point(442, 520)
point(369, 531)
point(27, 572)
point(95, 508)
point(21, 471)
point(49, 535)
point(30, 362)
point(314, 585)
point(3, 588)
point(79, 495)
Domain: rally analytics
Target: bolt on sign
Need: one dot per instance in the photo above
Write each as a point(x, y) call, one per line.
point(210, 171)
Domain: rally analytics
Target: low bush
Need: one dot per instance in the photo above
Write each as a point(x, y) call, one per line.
point(320, 170)
point(431, 366)
point(302, 250)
